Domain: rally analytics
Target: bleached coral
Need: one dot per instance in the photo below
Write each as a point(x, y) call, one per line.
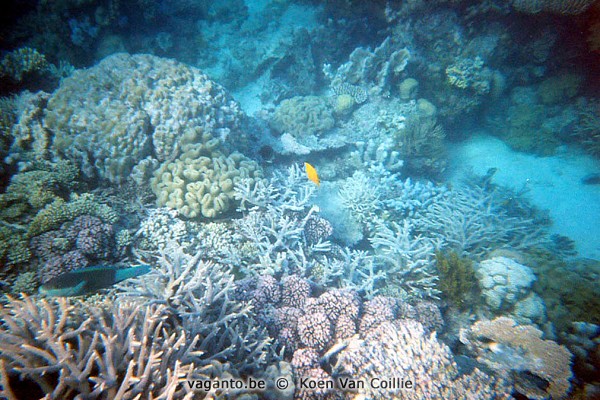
point(360, 197)
point(200, 294)
point(406, 258)
point(276, 213)
point(117, 351)
point(469, 219)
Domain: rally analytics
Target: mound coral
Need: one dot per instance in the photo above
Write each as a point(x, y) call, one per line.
point(197, 185)
point(402, 349)
point(298, 116)
point(109, 118)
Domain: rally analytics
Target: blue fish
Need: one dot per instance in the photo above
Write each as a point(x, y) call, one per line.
point(89, 280)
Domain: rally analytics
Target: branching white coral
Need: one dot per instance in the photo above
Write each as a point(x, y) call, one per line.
point(116, 351)
point(200, 294)
point(408, 260)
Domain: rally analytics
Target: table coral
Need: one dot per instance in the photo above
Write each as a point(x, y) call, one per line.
point(110, 117)
point(198, 184)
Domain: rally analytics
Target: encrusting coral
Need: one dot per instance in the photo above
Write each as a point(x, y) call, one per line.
point(505, 345)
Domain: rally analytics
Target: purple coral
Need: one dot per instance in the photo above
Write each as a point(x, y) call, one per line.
point(315, 331)
point(267, 290)
point(376, 311)
point(317, 229)
point(91, 236)
point(294, 292)
point(60, 263)
point(72, 246)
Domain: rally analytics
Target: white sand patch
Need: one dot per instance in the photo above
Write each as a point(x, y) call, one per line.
point(554, 184)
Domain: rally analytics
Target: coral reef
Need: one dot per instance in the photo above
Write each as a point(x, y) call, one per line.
point(469, 74)
point(22, 62)
point(471, 220)
point(457, 279)
point(407, 259)
point(507, 287)
point(200, 294)
point(374, 70)
point(60, 211)
point(403, 349)
point(75, 245)
point(521, 350)
point(553, 6)
point(120, 350)
point(108, 122)
point(303, 115)
point(199, 184)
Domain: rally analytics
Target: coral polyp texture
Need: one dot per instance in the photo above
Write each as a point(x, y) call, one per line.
point(128, 108)
point(303, 115)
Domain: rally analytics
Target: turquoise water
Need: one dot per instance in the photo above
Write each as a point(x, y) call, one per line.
point(336, 199)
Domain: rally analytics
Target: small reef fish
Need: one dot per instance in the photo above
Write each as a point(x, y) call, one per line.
point(311, 173)
point(89, 280)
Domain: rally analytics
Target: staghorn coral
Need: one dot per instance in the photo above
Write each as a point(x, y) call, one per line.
point(472, 221)
point(565, 7)
point(275, 215)
point(406, 258)
point(119, 350)
point(201, 295)
point(109, 118)
point(303, 115)
point(403, 350)
point(521, 349)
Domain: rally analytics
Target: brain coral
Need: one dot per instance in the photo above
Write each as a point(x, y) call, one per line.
point(303, 115)
point(198, 184)
point(128, 108)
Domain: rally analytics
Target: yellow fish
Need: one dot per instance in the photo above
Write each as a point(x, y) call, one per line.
point(311, 173)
